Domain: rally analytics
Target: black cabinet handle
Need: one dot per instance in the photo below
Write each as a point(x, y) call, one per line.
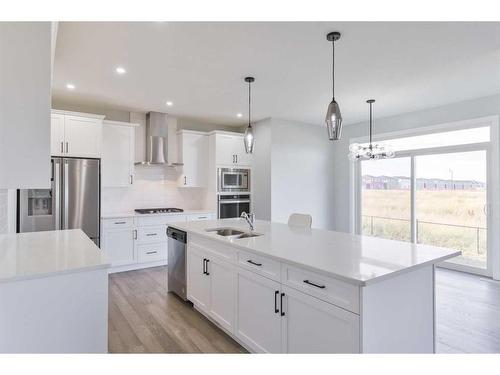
point(255, 264)
point(281, 304)
point(276, 310)
point(313, 284)
point(151, 252)
point(151, 234)
point(206, 272)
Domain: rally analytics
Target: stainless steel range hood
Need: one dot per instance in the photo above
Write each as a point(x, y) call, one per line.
point(157, 140)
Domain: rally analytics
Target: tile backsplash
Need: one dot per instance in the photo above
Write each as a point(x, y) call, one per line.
point(154, 186)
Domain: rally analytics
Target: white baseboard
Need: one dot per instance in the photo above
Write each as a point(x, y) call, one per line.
point(136, 266)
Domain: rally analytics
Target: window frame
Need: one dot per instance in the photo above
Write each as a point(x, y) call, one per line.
point(492, 182)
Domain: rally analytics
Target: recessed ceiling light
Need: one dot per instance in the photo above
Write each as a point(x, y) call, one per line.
point(169, 103)
point(239, 115)
point(121, 70)
point(70, 86)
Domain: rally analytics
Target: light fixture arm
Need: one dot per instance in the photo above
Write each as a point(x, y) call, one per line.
point(249, 80)
point(371, 101)
point(333, 70)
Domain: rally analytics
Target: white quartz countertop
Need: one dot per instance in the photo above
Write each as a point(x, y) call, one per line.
point(135, 214)
point(356, 259)
point(41, 254)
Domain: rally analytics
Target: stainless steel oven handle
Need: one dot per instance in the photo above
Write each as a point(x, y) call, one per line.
point(57, 193)
point(234, 201)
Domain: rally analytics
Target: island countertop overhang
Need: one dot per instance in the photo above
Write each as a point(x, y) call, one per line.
point(356, 259)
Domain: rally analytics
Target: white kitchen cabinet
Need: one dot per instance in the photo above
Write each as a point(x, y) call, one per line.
point(83, 136)
point(198, 285)
point(211, 286)
point(56, 134)
point(230, 149)
point(76, 134)
point(258, 316)
point(118, 153)
point(193, 153)
point(119, 246)
point(222, 292)
point(310, 325)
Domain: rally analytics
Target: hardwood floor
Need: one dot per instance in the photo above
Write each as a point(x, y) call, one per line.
point(467, 313)
point(144, 318)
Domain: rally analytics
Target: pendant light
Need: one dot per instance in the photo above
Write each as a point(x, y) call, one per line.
point(249, 138)
point(333, 117)
point(372, 150)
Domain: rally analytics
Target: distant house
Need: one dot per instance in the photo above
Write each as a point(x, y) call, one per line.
point(404, 183)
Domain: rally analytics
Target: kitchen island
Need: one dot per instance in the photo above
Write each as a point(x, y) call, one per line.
point(296, 290)
point(53, 293)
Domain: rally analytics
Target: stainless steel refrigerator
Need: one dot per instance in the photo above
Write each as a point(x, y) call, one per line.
point(72, 202)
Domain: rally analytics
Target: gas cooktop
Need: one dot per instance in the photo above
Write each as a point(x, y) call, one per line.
point(158, 210)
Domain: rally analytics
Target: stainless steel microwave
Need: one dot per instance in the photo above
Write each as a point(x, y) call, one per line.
point(233, 180)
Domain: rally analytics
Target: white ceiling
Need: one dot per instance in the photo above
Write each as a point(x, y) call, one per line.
point(200, 67)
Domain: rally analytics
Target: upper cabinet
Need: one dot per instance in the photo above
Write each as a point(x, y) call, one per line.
point(230, 149)
point(118, 153)
point(192, 147)
point(76, 134)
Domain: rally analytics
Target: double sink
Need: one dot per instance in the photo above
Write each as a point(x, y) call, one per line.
point(233, 233)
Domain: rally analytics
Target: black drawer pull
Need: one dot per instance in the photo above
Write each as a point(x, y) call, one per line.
point(276, 310)
point(207, 273)
point(255, 264)
point(120, 222)
point(151, 252)
point(151, 234)
point(204, 261)
point(281, 304)
point(316, 285)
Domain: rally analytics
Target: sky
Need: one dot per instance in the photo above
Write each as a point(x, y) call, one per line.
point(470, 165)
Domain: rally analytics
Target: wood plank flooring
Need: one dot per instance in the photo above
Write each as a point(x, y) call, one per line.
point(144, 318)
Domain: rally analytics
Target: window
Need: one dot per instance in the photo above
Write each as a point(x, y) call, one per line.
point(435, 192)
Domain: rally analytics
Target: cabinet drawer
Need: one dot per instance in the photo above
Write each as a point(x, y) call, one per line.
point(259, 264)
point(194, 217)
point(126, 222)
point(151, 234)
point(217, 248)
point(328, 289)
point(160, 219)
point(152, 252)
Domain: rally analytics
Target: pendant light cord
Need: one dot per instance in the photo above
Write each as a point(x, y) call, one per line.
point(333, 70)
point(371, 125)
point(249, 102)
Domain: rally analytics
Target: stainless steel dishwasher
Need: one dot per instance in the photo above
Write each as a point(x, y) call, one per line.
point(177, 262)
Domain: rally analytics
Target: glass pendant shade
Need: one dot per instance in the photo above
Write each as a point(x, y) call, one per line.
point(249, 140)
point(333, 121)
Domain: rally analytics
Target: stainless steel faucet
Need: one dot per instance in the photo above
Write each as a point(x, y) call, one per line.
point(250, 218)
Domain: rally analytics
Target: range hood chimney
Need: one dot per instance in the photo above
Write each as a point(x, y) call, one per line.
point(157, 140)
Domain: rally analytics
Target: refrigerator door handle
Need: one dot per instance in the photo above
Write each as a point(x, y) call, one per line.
point(56, 188)
point(65, 195)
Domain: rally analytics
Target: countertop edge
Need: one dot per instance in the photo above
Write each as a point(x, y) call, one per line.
point(357, 282)
point(43, 275)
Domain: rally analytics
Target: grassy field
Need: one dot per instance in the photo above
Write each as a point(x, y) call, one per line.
point(437, 213)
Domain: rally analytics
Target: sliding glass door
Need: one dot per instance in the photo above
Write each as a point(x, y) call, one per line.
point(451, 202)
point(432, 193)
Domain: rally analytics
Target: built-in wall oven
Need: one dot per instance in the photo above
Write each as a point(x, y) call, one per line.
point(232, 205)
point(233, 180)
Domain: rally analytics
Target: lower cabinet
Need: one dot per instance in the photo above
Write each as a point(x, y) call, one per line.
point(258, 320)
point(211, 286)
point(314, 326)
point(119, 246)
point(263, 314)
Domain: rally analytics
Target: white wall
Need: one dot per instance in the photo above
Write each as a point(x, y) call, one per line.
point(261, 170)
point(341, 190)
point(299, 172)
point(25, 66)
